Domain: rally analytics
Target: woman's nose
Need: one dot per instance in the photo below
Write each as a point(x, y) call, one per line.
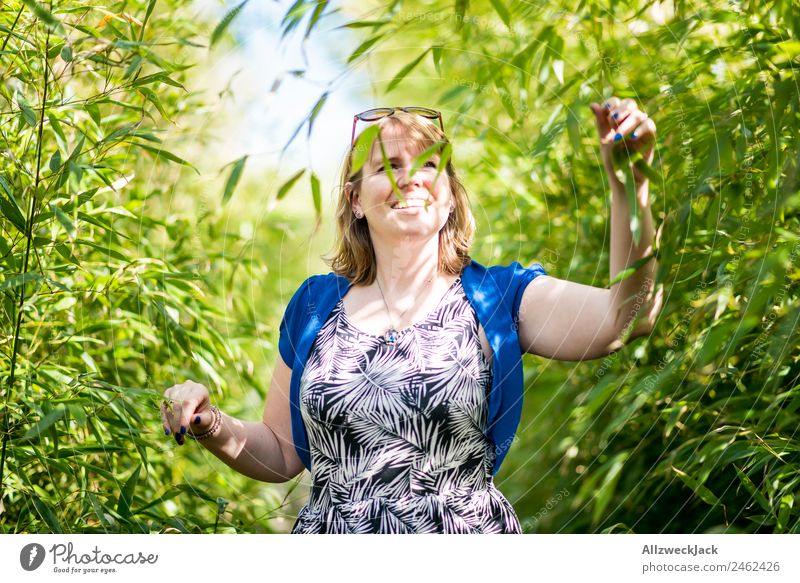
point(404, 180)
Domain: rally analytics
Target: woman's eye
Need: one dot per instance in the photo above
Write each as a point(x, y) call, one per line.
point(430, 164)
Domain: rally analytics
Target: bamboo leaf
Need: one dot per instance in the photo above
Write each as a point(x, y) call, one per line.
point(63, 219)
point(364, 24)
point(315, 16)
point(44, 424)
point(223, 25)
point(316, 194)
point(633, 204)
point(436, 52)
point(364, 47)
point(315, 111)
point(160, 153)
point(444, 160)
point(704, 493)
point(44, 15)
point(27, 112)
point(233, 179)
point(287, 186)
point(784, 511)
point(294, 16)
point(151, 96)
point(99, 510)
point(613, 469)
point(630, 270)
point(363, 147)
point(21, 279)
point(425, 156)
point(47, 514)
point(10, 207)
point(406, 70)
point(502, 12)
point(754, 492)
point(387, 168)
point(126, 495)
point(461, 11)
point(55, 162)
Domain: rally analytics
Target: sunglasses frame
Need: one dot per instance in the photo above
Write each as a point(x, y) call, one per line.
point(387, 111)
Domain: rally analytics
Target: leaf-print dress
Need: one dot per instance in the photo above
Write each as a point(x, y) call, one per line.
point(397, 433)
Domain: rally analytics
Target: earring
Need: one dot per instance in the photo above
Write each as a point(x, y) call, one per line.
point(452, 208)
point(359, 215)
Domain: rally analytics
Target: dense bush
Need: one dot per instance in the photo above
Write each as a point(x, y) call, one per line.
point(121, 278)
point(109, 295)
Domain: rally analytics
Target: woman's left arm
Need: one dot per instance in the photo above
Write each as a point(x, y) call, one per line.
point(565, 320)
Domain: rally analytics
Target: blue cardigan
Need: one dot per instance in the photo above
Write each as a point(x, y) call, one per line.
point(494, 292)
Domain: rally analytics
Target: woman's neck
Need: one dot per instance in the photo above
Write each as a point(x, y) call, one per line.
point(406, 265)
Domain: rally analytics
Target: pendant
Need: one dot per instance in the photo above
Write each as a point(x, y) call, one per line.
point(390, 337)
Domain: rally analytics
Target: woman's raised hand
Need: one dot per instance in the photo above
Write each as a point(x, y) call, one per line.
point(624, 130)
point(186, 407)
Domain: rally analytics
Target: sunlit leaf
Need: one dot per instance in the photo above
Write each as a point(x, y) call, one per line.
point(226, 21)
point(316, 194)
point(406, 70)
point(233, 179)
point(287, 186)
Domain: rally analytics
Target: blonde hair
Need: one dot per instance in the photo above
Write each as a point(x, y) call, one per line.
point(354, 256)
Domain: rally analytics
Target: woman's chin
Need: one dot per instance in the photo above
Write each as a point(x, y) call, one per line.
point(408, 228)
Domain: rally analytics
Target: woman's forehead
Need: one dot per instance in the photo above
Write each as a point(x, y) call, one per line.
point(397, 143)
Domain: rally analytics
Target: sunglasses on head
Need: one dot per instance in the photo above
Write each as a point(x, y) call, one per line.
point(379, 112)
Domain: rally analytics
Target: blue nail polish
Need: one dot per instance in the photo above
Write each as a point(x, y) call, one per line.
point(197, 420)
point(633, 136)
point(617, 137)
point(607, 106)
point(615, 115)
point(183, 429)
point(166, 431)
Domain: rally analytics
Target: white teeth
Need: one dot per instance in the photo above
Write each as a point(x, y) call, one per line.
point(409, 203)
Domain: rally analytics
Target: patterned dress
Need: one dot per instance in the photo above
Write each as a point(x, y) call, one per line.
point(397, 433)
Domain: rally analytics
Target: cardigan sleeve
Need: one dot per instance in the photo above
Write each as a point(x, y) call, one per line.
point(521, 277)
point(292, 317)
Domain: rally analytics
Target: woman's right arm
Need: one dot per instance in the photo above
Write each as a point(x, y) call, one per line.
point(263, 450)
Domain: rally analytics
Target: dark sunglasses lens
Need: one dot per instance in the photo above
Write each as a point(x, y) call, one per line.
point(423, 111)
point(373, 114)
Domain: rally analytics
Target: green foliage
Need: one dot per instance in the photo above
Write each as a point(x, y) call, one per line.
point(693, 429)
point(108, 295)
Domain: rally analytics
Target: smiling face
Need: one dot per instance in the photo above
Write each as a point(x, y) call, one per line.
point(428, 203)
point(369, 192)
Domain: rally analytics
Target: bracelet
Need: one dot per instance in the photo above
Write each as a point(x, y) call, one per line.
point(211, 431)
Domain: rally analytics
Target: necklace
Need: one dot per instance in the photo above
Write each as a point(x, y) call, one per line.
point(390, 336)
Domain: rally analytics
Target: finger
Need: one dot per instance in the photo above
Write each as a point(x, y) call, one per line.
point(201, 421)
point(601, 117)
point(164, 420)
point(188, 415)
point(645, 130)
point(631, 122)
point(619, 112)
point(178, 427)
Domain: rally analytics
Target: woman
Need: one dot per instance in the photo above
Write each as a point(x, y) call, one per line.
point(399, 378)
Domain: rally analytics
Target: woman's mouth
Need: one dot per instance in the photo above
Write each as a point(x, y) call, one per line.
point(411, 203)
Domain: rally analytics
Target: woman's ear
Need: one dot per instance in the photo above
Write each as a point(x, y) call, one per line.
point(352, 196)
